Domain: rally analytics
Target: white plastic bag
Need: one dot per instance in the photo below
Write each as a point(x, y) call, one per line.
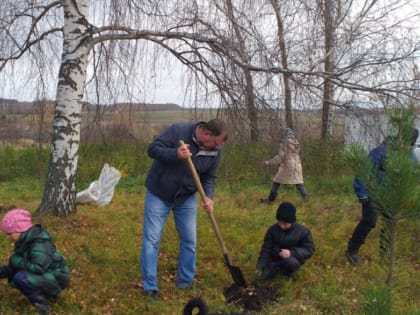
point(108, 179)
point(101, 191)
point(91, 194)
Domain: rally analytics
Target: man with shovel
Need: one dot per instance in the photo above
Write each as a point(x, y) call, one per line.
point(170, 186)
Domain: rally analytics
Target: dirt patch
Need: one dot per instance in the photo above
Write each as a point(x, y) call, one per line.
point(251, 298)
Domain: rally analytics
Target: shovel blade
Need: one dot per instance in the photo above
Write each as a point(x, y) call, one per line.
point(235, 272)
point(237, 276)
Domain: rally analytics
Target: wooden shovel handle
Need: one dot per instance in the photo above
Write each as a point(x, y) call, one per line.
point(204, 197)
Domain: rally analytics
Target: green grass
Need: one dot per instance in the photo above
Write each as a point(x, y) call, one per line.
point(102, 246)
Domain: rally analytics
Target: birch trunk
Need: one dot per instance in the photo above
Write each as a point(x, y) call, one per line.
point(60, 187)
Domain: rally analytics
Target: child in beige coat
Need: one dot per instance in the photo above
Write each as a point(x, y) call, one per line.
point(289, 167)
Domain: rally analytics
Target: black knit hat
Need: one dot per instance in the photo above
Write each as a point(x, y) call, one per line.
point(286, 212)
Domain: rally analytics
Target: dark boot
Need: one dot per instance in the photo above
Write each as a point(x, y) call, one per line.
point(352, 254)
point(270, 199)
point(265, 200)
point(40, 302)
point(302, 191)
point(354, 258)
point(273, 193)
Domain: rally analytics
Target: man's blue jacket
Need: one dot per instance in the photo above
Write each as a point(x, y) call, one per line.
point(169, 178)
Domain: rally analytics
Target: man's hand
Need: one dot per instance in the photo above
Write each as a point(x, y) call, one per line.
point(183, 152)
point(207, 204)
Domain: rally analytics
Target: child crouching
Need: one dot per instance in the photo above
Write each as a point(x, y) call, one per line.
point(36, 268)
point(287, 245)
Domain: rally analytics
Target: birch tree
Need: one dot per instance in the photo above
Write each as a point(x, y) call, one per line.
point(68, 19)
point(60, 191)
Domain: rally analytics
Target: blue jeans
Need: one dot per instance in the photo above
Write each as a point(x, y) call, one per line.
point(156, 213)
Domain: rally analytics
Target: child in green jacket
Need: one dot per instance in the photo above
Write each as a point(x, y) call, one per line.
point(35, 267)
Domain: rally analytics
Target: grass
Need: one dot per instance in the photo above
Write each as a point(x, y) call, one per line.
point(101, 244)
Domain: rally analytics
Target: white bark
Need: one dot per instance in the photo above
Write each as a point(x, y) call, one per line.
point(60, 188)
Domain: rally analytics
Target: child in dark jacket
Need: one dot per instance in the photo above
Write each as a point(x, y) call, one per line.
point(35, 267)
point(286, 246)
point(378, 157)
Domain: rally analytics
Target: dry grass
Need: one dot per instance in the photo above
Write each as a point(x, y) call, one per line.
point(102, 245)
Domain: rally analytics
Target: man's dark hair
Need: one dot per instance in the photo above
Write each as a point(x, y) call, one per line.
point(217, 127)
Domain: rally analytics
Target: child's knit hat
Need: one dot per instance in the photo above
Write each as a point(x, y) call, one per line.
point(16, 221)
point(286, 212)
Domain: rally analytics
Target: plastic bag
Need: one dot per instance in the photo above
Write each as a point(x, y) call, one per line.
point(108, 179)
point(91, 194)
point(101, 191)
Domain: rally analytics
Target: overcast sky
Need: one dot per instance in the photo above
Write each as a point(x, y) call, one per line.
point(165, 86)
point(16, 84)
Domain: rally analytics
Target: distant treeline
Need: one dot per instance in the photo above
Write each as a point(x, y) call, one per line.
point(10, 106)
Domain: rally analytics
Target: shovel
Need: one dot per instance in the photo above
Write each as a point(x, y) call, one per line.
point(235, 271)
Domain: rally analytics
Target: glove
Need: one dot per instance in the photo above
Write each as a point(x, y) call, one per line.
point(364, 201)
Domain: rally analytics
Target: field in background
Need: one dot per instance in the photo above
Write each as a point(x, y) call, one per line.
point(97, 126)
point(127, 123)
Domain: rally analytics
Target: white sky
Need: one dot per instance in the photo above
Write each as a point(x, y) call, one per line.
point(168, 88)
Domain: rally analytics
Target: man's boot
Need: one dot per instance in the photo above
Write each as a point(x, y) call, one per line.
point(40, 302)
